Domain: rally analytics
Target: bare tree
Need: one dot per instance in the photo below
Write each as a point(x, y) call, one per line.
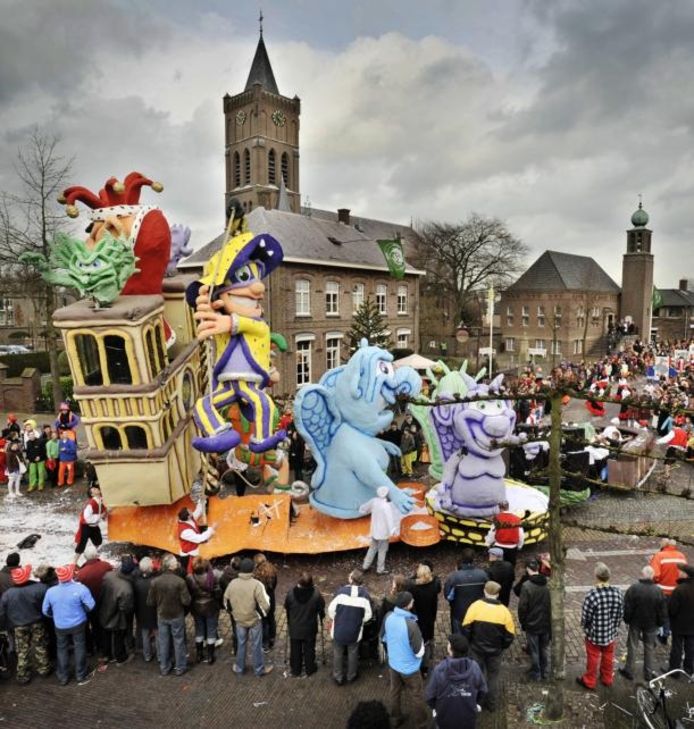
point(29, 220)
point(460, 259)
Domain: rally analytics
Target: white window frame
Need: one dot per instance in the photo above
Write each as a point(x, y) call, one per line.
point(578, 346)
point(540, 344)
point(404, 335)
point(333, 351)
point(304, 353)
point(510, 344)
point(358, 296)
point(382, 299)
point(332, 298)
point(557, 313)
point(525, 315)
point(509, 316)
point(6, 312)
point(540, 315)
point(402, 299)
point(555, 347)
point(302, 297)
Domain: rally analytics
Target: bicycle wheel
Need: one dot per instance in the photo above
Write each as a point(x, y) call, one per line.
point(649, 708)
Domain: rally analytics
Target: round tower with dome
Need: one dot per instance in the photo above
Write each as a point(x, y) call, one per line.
point(637, 275)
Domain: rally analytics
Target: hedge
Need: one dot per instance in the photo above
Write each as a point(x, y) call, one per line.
point(17, 363)
point(45, 402)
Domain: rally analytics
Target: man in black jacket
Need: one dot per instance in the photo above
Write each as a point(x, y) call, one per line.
point(304, 604)
point(535, 617)
point(681, 609)
point(501, 571)
point(644, 613)
point(463, 587)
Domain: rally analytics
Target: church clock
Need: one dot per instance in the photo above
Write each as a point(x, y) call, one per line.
point(279, 118)
point(241, 118)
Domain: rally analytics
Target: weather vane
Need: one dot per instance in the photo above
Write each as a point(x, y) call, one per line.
point(260, 20)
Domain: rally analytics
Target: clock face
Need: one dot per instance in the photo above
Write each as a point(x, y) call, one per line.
point(241, 117)
point(278, 118)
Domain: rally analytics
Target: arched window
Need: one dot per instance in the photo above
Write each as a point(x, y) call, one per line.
point(285, 168)
point(159, 343)
point(117, 360)
point(88, 355)
point(136, 437)
point(237, 169)
point(110, 437)
point(151, 355)
point(246, 167)
point(271, 175)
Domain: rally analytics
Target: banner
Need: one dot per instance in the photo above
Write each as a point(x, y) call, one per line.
point(656, 299)
point(395, 258)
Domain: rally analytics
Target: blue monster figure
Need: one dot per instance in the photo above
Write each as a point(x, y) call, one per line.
point(339, 419)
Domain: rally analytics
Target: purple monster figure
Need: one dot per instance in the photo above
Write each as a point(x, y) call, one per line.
point(180, 235)
point(473, 476)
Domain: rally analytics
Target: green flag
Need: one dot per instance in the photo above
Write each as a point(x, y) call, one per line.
point(395, 258)
point(656, 299)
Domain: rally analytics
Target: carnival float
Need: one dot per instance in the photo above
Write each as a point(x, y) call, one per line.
point(173, 378)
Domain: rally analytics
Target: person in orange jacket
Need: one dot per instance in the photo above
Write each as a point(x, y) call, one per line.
point(666, 563)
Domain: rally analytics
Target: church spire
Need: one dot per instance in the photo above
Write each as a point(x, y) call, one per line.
point(261, 70)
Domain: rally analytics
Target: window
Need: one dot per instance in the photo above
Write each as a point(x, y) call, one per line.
point(382, 298)
point(110, 437)
point(578, 346)
point(525, 316)
point(595, 312)
point(332, 298)
point(510, 344)
point(540, 316)
point(557, 315)
point(303, 362)
point(509, 316)
point(540, 344)
point(159, 343)
point(117, 360)
point(151, 355)
point(6, 312)
point(303, 297)
point(88, 356)
point(285, 168)
point(580, 318)
point(136, 436)
point(246, 167)
point(332, 351)
point(402, 299)
point(403, 338)
point(556, 347)
point(237, 169)
point(271, 176)
point(357, 296)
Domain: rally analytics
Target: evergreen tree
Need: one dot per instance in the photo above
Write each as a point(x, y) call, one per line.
point(369, 323)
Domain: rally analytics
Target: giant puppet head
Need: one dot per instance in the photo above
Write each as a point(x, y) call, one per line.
point(117, 210)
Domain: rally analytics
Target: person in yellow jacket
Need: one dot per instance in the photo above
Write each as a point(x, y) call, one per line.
point(488, 625)
point(228, 308)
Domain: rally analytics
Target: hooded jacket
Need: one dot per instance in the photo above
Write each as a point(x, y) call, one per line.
point(303, 606)
point(246, 598)
point(534, 606)
point(21, 605)
point(117, 601)
point(454, 690)
point(644, 605)
point(349, 610)
point(404, 640)
point(681, 607)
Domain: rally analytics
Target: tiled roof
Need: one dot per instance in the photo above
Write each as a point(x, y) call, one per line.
point(554, 271)
point(315, 240)
point(261, 70)
point(676, 298)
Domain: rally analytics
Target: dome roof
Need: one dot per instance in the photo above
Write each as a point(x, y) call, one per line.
point(640, 217)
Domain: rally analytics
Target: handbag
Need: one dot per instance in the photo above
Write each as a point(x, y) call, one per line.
point(22, 468)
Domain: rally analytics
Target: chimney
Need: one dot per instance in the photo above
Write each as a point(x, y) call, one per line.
point(343, 215)
point(683, 285)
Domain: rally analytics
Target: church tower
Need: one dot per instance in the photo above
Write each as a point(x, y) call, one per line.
point(262, 139)
point(637, 274)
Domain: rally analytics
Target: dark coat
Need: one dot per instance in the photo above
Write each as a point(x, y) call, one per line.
point(455, 688)
point(146, 614)
point(205, 593)
point(681, 607)
point(534, 606)
point(426, 603)
point(463, 587)
point(21, 605)
point(36, 448)
point(117, 602)
point(169, 594)
point(644, 605)
point(304, 605)
point(502, 572)
point(92, 573)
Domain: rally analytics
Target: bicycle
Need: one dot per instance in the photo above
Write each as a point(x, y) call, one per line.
point(652, 707)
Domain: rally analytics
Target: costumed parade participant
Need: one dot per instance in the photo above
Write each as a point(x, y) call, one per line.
point(227, 302)
point(92, 514)
point(66, 420)
point(191, 534)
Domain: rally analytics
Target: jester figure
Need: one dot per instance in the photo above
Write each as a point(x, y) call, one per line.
point(227, 301)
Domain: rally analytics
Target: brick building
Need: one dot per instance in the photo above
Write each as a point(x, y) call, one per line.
point(561, 307)
point(673, 315)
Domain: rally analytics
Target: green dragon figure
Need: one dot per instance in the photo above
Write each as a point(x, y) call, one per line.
point(99, 273)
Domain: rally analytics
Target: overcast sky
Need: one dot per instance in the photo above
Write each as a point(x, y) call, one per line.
point(550, 115)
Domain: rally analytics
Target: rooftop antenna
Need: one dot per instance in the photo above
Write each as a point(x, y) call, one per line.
point(640, 201)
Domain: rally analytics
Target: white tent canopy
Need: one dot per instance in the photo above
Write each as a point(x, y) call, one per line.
point(416, 361)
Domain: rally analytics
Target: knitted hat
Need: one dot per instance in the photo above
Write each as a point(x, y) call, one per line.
point(20, 575)
point(496, 552)
point(65, 573)
point(64, 406)
point(246, 566)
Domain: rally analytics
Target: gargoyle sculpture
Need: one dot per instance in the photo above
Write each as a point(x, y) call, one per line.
point(339, 419)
